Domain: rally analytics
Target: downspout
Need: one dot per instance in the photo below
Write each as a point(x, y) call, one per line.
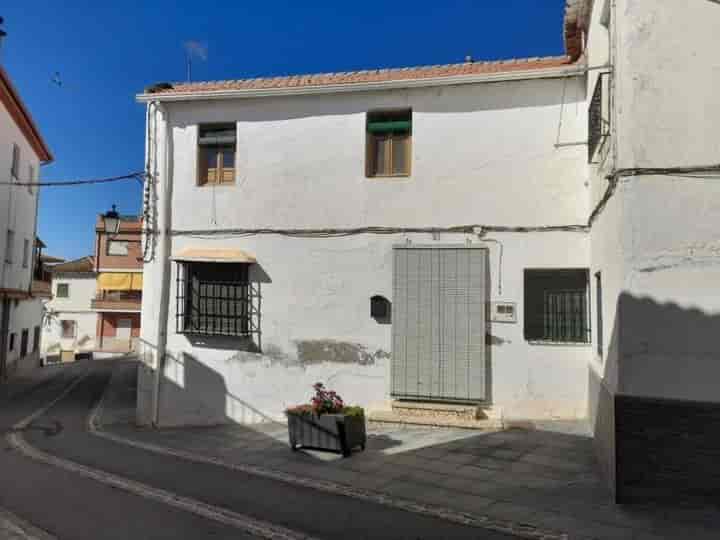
point(164, 247)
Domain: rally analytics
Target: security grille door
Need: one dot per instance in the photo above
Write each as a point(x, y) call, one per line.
point(439, 302)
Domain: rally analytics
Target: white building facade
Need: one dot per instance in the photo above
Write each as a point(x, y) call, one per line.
point(71, 323)
point(444, 234)
point(22, 152)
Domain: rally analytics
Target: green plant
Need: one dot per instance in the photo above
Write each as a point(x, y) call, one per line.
point(325, 402)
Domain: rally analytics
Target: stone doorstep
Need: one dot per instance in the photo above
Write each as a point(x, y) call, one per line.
point(392, 417)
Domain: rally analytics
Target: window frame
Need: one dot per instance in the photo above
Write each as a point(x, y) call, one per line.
point(371, 143)
point(15, 162)
point(26, 253)
point(111, 241)
point(245, 323)
point(67, 290)
point(202, 179)
point(31, 178)
point(9, 246)
point(36, 339)
point(62, 329)
point(528, 316)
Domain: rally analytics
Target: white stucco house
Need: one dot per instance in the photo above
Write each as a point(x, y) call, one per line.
point(23, 287)
point(70, 322)
point(535, 236)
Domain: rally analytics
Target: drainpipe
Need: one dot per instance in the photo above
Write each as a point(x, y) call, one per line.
point(163, 230)
point(4, 328)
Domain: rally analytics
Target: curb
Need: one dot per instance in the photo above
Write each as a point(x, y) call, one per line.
point(520, 530)
point(22, 527)
point(226, 517)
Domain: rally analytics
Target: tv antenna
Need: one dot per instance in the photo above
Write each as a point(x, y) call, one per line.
point(194, 49)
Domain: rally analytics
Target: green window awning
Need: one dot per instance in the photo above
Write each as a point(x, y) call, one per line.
point(397, 126)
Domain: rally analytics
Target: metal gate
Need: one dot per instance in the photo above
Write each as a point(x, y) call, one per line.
point(439, 323)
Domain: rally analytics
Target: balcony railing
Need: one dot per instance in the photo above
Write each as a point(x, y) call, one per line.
point(117, 300)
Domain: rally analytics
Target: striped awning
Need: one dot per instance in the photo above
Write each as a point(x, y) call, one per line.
point(191, 254)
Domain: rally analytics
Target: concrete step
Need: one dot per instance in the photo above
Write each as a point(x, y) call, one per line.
point(392, 417)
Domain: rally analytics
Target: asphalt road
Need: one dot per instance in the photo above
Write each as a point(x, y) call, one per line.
point(74, 507)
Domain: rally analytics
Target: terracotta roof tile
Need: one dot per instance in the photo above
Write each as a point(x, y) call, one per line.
point(80, 266)
point(370, 76)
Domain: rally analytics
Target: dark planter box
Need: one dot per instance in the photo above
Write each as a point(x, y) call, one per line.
point(333, 432)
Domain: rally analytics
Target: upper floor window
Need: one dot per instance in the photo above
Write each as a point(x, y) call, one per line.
point(63, 290)
point(117, 247)
point(599, 118)
point(389, 134)
point(216, 154)
point(31, 178)
point(26, 253)
point(15, 165)
point(9, 245)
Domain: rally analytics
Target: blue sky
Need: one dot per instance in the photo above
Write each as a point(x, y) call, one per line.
point(106, 52)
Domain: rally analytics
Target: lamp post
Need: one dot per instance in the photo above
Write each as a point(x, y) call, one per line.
point(111, 220)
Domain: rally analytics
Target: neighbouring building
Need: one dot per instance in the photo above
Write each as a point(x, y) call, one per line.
point(70, 322)
point(118, 295)
point(535, 236)
point(22, 152)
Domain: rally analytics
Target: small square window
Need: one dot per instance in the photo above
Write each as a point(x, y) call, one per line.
point(389, 134)
point(68, 328)
point(216, 154)
point(63, 290)
point(117, 247)
point(557, 306)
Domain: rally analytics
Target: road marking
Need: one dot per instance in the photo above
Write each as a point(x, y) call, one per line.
point(14, 527)
point(521, 530)
point(261, 529)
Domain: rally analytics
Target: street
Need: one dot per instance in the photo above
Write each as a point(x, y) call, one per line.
point(123, 492)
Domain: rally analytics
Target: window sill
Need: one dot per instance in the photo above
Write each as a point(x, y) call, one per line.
point(388, 176)
point(225, 184)
point(542, 343)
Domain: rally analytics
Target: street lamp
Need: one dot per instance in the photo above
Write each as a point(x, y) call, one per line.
point(111, 219)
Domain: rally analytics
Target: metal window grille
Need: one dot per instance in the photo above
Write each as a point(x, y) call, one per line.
point(598, 116)
point(566, 316)
point(217, 306)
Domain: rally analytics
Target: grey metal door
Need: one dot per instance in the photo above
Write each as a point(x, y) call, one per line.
point(439, 305)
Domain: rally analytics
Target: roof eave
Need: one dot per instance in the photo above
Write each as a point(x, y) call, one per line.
point(543, 73)
point(21, 114)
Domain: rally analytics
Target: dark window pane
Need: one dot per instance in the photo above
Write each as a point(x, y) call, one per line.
point(400, 154)
point(228, 157)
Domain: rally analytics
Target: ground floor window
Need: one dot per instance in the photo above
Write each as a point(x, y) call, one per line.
point(67, 328)
point(12, 342)
point(36, 339)
point(556, 305)
point(217, 299)
point(24, 338)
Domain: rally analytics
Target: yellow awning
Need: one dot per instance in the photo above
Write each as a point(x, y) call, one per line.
point(120, 281)
point(214, 255)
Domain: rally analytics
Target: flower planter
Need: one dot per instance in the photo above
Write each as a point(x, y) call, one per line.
point(334, 432)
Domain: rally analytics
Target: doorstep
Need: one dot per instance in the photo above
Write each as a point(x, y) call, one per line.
point(392, 417)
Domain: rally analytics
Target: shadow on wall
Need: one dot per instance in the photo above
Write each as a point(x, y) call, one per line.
point(656, 411)
point(194, 393)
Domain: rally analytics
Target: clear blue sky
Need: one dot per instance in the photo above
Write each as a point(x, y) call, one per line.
point(106, 52)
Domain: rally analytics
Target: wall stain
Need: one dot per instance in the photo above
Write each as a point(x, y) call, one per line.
point(495, 340)
point(318, 351)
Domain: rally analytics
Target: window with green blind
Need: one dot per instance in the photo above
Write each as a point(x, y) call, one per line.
point(389, 136)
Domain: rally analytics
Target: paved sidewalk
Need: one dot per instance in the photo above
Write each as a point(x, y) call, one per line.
point(544, 477)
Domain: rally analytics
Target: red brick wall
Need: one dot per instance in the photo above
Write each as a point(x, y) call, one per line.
point(109, 323)
point(130, 231)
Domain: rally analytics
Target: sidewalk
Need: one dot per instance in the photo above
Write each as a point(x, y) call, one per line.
point(545, 478)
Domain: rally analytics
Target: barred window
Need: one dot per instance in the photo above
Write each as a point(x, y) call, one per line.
point(217, 299)
point(556, 306)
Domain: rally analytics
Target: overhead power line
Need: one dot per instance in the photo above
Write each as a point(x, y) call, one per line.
point(64, 183)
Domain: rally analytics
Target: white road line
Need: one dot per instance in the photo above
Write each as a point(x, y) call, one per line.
point(14, 527)
point(521, 530)
point(251, 525)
